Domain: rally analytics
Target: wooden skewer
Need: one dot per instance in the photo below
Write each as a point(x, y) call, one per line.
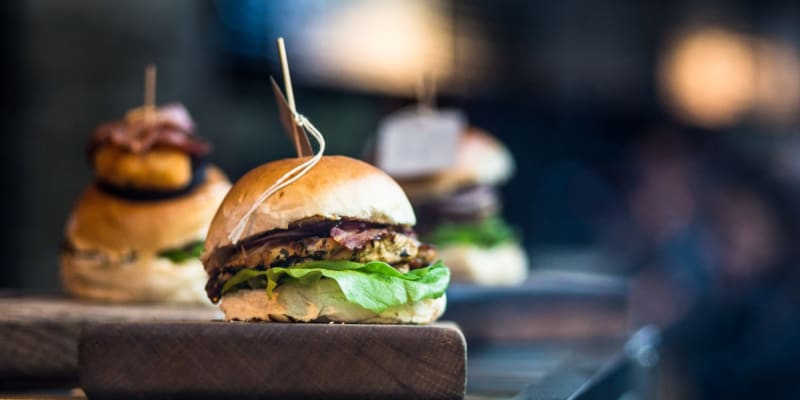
point(287, 83)
point(287, 79)
point(150, 87)
point(426, 91)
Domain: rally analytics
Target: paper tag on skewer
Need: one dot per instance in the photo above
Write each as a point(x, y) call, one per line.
point(294, 132)
point(418, 141)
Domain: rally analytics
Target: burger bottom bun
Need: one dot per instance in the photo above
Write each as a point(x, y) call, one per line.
point(144, 280)
point(505, 264)
point(321, 301)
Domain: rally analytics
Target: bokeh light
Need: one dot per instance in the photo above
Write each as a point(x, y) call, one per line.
point(380, 46)
point(708, 76)
point(777, 82)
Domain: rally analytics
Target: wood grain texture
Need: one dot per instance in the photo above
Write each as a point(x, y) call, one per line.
point(39, 346)
point(257, 360)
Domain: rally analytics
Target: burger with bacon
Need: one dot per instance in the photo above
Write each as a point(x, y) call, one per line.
point(136, 233)
point(336, 245)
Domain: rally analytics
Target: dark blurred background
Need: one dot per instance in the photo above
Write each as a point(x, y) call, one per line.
point(654, 140)
point(577, 90)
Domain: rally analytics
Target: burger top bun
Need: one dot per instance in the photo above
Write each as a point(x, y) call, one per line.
point(480, 160)
point(336, 187)
point(111, 224)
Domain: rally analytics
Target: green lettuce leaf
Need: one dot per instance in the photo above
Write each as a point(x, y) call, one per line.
point(183, 254)
point(487, 233)
point(375, 285)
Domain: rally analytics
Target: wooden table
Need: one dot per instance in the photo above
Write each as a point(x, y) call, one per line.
point(40, 332)
point(546, 339)
point(537, 370)
point(502, 370)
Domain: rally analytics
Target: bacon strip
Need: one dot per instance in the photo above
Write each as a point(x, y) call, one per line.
point(173, 127)
point(309, 228)
point(351, 234)
point(356, 239)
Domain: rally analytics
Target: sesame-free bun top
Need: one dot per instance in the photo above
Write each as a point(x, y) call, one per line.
point(336, 187)
point(114, 225)
point(481, 159)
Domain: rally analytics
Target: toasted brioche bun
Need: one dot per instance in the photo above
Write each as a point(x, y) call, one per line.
point(321, 301)
point(505, 264)
point(480, 160)
point(147, 279)
point(115, 228)
point(110, 224)
point(337, 187)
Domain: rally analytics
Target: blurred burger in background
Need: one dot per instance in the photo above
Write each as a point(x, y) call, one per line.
point(137, 232)
point(459, 211)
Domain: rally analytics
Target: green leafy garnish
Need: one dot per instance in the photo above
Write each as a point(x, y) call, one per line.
point(183, 254)
point(374, 286)
point(487, 233)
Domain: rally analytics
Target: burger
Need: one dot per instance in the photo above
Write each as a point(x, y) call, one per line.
point(336, 245)
point(459, 211)
point(136, 233)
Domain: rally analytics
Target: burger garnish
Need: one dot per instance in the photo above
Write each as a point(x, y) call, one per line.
point(375, 285)
point(486, 233)
point(150, 155)
point(191, 251)
point(167, 127)
point(317, 239)
point(177, 255)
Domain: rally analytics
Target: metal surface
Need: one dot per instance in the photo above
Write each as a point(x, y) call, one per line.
point(542, 370)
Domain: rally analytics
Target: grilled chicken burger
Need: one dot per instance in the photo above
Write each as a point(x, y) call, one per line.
point(459, 212)
point(335, 245)
point(136, 233)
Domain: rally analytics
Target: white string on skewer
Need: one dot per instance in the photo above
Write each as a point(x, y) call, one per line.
point(287, 179)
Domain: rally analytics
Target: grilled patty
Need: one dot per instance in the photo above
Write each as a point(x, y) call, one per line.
point(320, 240)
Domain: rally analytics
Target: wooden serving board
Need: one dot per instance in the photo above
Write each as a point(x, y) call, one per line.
point(39, 334)
point(272, 360)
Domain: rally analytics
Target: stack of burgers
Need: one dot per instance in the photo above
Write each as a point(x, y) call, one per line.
point(459, 211)
point(136, 233)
